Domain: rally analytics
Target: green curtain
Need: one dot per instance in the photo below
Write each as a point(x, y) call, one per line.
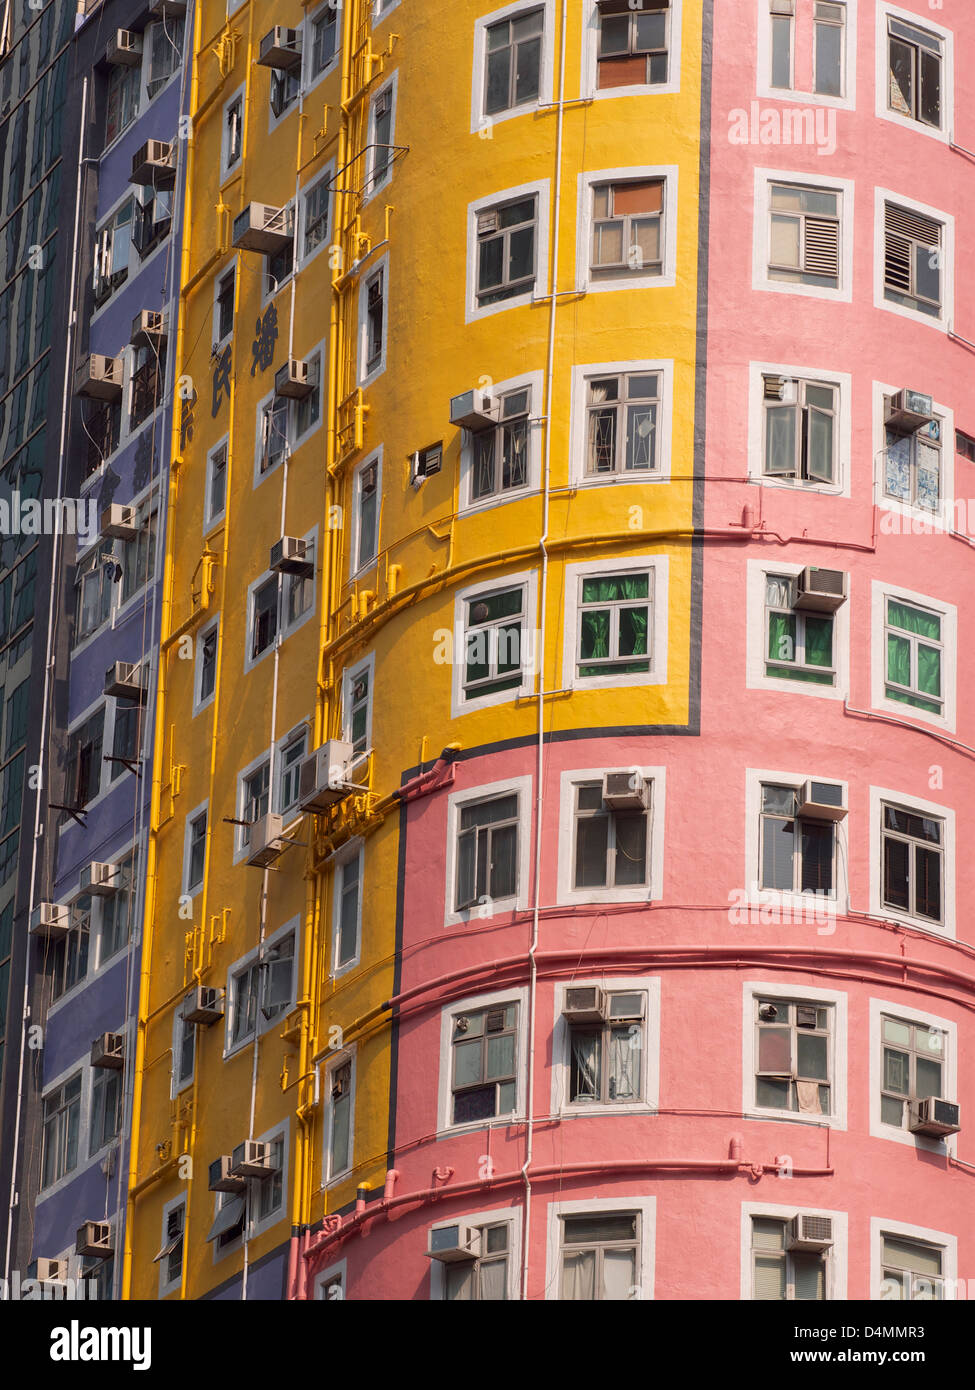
point(595, 634)
point(819, 641)
point(914, 620)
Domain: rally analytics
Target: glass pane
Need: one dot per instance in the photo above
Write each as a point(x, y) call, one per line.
point(501, 1056)
point(928, 1078)
point(820, 455)
point(927, 272)
point(775, 1095)
point(812, 1056)
point(897, 1071)
point(891, 1111)
point(896, 870)
point(631, 849)
point(778, 849)
point(527, 70)
point(599, 1226)
point(521, 254)
point(780, 439)
point(829, 52)
point(579, 1276)
point(767, 1233)
point(608, 243)
point(592, 833)
point(785, 241)
point(498, 79)
point(475, 1105)
point(467, 1062)
point(775, 1050)
point(619, 1273)
point(810, 1276)
point(781, 51)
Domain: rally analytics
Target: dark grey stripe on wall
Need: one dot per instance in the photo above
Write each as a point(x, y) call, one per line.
point(397, 977)
point(696, 634)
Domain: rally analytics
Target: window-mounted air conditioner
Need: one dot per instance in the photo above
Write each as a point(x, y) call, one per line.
point(154, 163)
point(119, 521)
point(261, 227)
point(266, 844)
point(474, 410)
point(50, 921)
point(281, 49)
point(206, 1005)
point(821, 801)
point(126, 680)
point(220, 1177)
point(323, 777)
point(100, 378)
point(167, 9)
point(451, 1243)
point(908, 411)
point(425, 462)
point(292, 379)
point(821, 591)
point(124, 49)
point(99, 878)
point(251, 1159)
point(94, 1238)
point(289, 555)
point(585, 1004)
point(48, 1271)
point(625, 791)
point(109, 1051)
point(810, 1233)
point(149, 328)
point(935, 1117)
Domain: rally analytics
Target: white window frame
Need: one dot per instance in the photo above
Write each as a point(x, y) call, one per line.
point(238, 967)
point(349, 675)
point(242, 846)
point(486, 792)
point(445, 1095)
point(918, 21)
point(382, 9)
point(588, 75)
point(645, 1206)
point(145, 99)
point(293, 106)
point(370, 188)
point(191, 816)
point(101, 225)
point(366, 375)
point(944, 517)
point(109, 778)
point(792, 990)
point(948, 612)
point(843, 381)
point(659, 603)
point(311, 541)
point(271, 398)
point(565, 1108)
point(228, 170)
point(764, 86)
point(880, 795)
point(942, 322)
point(879, 1009)
point(339, 1059)
point(356, 569)
point(254, 1224)
point(232, 267)
point(326, 176)
point(353, 849)
point(793, 906)
point(304, 726)
point(906, 1231)
point(311, 80)
point(757, 635)
point(540, 191)
point(764, 178)
point(509, 1216)
point(480, 120)
point(651, 892)
point(635, 173)
point(202, 703)
point(176, 1086)
point(526, 580)
point(837, 1257)
point(81, 1065)
point(338, 1270)
point(251, 661)
point(578, 433)
point(168, 1286)
point(533, 382)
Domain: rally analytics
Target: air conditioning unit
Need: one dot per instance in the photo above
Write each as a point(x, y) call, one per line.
point(810, 1233)
point(280, 49)
point(266, 844)
point(48, 1271)
point(935, 1117)
point(821, 591)
point(261, 227)
point(207, 1005)
point(451, 1243)
point(50, 921)
point(149, 327)
point(98, 878)
point(109, 1051)
point(585, 1004)
point(99, 378)
point(908, 411)
point(289, 556)
point(119, 521)
point(625, 791)
point(220, 1176)
point(292, 379)
point(251, 1159)
point(125, 49)
point(126, 681)
point(94, 1238)
point(322, 778)
point(473, 410)
point(821, 801)
point(154, 163)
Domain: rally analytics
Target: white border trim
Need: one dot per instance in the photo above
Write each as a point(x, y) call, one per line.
point(878, 795)
point(879, 1227)
point(939, 322)
point(645, 1206)
point(352, 849)
point(657, 675)
point(522, 786)
point(588, 74)
point(651, 892)
point(794, 990)
point(880, 1130)
point(517, 995)
point(480, 120)
point(367, 375)
point(511, 1216)
point(790, 906)
point(762, 230)
point(837, 1259)
point(526, 580)
point(534, 382)
point(763, 85)
point(578, 439)
point(944, 517)
point(843, 461)
point(926, 23)
point(667, 278)
point(565, 1109)
point(879, 593)
point(755, 640)
point(541, 191)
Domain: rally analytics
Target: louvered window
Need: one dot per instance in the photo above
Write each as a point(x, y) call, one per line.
point(804, 235)
point(912, 259)
point(781, 1274)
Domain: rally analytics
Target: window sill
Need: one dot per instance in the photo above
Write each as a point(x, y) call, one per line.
point(602, 1109)
point(755, 1112)
point(912, 123)
point(472, 1126)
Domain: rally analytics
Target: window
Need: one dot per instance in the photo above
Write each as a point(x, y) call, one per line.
point(94, 576)
point(291, 756)
point(606, 1059)
point(122, 104)
point(111, 257)
point(513, 62)
point(117, 908)
point(494, 642)
point(101, 421)
point(316, 204)
point(61, 1123)
point(484, 1279)
point(255, 799)
point(915, 653)
point(277, 986)
point(365, 539)
point(69, 956)
point(197, 852)
point(126, 737)
point(914, 1063)
point(797, 852)
point(912, 1270)
point(139, 558)
point(804, 235)
point(913, 863)
point(207, 665)
point(912, 260)
point(614, 624)
point(611, 847)
point(264, 616)
point(147, 384)
point(484, 1063)
point(216, 500)
point(233, 133)
point(170, 1257)
point(323, 39)
point(622, 415)
point(270, 1199)
point(375, 321)
point(244, 996)
point(500, 462)
point(228, 1225)
point(184, 1047)
point(279, 264)
point(506, 250)
point(800, 642)
point(599, 1256)
point(285, 87)
point(914, 60)
point(339, 1149)
point(162, 52)
point(381, 155)
point(347, 910)
point(106, 1107)
point(487, 851)
point(780, 1273)
point(782, 22)
point(299, 592)
point(330, 1287)
point(965, 445)
point(794, 1056)
point(627, 228)
point(828, 39)
point(308, 410)
point(633, 44)
point(224, 314)
point(357, 707)
point(85, 760)
point(799, 426)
